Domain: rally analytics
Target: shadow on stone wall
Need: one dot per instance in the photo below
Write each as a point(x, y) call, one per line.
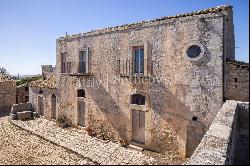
point(111, 120)
point(171, 112)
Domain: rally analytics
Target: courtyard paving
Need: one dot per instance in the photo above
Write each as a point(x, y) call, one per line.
point(40, 141)
point(19, 147)
point(77, 140)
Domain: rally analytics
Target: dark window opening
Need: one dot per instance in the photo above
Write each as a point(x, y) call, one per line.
point(82, 62)
point(193, 51)
point(53, 95)
point(68, 67)
point(26, 98)
point(235, 79)
point(138, 99)
point(243, 67)
point(26, 88)
point(63, 63)
point(40, 91)
point(194, 118)
point(139, 60)
point(80, 93)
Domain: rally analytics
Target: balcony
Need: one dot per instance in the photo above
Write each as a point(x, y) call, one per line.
point(75, 69)
point(130, 68)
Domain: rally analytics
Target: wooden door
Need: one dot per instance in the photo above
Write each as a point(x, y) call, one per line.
point(53, 104)
point(138, 126)
point(40, 106)
point(81, 113)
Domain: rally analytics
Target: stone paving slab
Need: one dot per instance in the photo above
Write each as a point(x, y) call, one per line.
point(80, 142)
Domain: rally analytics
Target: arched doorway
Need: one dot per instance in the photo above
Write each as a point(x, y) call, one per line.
point(40, 105)
point(138, 119)
point(81, 107)
point(53, 105)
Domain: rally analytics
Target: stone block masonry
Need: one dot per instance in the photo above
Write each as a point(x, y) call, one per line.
point(237, 81)
point(7, 93)
point(227, 140)
point(22, 111)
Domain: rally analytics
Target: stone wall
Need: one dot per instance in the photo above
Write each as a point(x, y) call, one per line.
point(22, 111)
point(21, 107)
point(47, 70)
point(237, 81)
point(7, 95)
point(227, 140)
point(22, 95)
point(46, 94)
point(183, 94)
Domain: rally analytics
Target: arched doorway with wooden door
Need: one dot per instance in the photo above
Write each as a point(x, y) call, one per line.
point(138, 119)
point(81, 111)
point(53, 106)
point(41, 105)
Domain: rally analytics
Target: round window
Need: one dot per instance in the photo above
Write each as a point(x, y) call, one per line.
point(193, 51)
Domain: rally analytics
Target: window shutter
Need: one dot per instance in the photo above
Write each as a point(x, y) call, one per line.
point(87, 60)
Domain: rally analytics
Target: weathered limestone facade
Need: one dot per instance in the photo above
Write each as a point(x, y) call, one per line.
point(22, 94)
point(7, 92)
point(42, 95)
point(237, 81)
point(182, 93)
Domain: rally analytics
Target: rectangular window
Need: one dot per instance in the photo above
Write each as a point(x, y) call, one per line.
point(26, 88)
point(68, 67)
point(83, 62)
point(139, 60)
point(63, 62)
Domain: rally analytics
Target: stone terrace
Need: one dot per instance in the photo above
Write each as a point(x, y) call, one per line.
point(98, 151)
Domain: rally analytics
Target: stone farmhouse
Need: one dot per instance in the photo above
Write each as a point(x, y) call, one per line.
point(153, 83)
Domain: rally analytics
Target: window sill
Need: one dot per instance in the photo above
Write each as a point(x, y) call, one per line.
point(80, 74)
point(136, 76)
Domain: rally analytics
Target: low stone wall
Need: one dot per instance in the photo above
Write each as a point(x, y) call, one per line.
point(237, 81)
point(226, 141)
point(22, 111)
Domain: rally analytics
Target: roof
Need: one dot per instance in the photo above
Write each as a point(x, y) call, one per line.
point(5, 78)
point(217, 9)
point(50, 82)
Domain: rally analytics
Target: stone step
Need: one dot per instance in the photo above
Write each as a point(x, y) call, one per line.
point(136, 146)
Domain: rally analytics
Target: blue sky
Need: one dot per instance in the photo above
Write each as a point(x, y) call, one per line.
point(29, 28)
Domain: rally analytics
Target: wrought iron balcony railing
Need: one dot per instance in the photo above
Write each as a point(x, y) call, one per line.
point(128, 67)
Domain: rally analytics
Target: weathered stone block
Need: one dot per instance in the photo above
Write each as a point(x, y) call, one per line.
point(23, 116)
point(28, 114)
point(13, 116)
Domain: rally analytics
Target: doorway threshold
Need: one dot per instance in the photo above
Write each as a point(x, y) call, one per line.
point(136, 146)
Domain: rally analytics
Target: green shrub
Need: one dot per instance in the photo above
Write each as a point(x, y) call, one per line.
point(27, 80)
